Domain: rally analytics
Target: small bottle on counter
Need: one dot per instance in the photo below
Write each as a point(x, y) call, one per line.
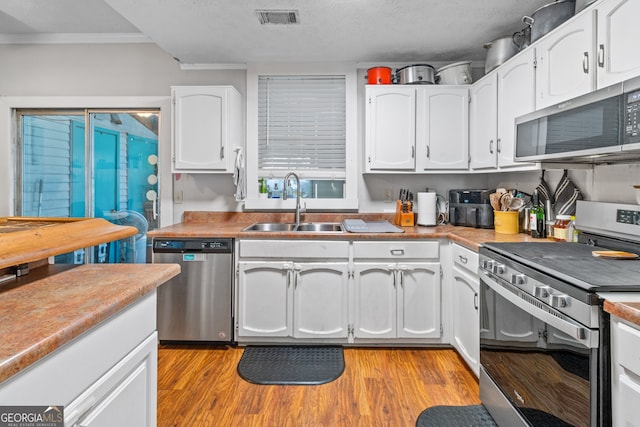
point(536, 217)
point(572, 231)
point(560, 229)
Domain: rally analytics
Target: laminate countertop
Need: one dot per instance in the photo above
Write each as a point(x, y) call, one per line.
point(52, 305)
point(230, 225)
point(623, 305)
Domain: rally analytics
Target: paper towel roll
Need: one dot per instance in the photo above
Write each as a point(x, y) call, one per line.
point(427, 208)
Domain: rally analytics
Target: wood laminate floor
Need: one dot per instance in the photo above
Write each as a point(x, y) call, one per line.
point(200, 387)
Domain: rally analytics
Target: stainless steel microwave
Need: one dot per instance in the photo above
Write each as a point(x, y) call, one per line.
point(599, 127)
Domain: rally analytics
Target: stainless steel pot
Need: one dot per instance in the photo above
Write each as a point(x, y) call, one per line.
point(549, 17)
point(458, 73)
point(416, 74)
point(498, 51)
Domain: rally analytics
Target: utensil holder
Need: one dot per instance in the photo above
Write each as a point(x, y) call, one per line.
point(506, 222)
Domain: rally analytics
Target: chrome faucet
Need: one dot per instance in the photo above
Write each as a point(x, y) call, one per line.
point(298, 196)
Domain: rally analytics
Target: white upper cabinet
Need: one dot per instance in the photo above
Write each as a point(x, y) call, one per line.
point(566, 61)
point(591, 51)
point(416, 128)
point(496, 100)
point(516, 96)
point(618, 51)
point(483, 132)
point(390, 128)
point(442, 128)
point(206, 126)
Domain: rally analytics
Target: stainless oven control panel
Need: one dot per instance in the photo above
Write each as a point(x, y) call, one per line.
point(537, 288)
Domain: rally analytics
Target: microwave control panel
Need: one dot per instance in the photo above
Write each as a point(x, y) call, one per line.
point(626, 216)
point(632, 118)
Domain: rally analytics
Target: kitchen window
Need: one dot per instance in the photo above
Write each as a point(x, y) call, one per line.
point(301, 120)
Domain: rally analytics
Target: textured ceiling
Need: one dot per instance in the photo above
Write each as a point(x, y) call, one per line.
point(228, 31)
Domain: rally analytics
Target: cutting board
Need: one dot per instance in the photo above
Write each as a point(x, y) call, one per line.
point(614, 254)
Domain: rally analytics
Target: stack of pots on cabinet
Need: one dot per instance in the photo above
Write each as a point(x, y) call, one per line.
point(543, 20)
point(458, 73)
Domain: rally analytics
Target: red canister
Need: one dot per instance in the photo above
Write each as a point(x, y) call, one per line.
point(379, 76)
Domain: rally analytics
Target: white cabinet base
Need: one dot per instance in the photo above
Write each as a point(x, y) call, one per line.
point(106, 376)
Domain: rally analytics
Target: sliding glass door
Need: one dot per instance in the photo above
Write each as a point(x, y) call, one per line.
point(90, 163)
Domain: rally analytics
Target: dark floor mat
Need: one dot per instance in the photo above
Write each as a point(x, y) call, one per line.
point(459, 416)
point(287, 365)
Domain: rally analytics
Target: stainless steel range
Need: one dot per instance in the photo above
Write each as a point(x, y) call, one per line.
point(544, 338)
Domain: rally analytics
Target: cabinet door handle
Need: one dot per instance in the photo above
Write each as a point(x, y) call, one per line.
point(601, 56)
point(397, 251)
point(413, 152)
point(585, 63)
point(463, 259)
point(498, 145)
point(491, 146)
point(475, 300)
point(222, 152)
point(428, 152)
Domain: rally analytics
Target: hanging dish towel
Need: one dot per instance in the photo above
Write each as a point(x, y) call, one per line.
point(238, 175)
point(544, 193)
point(566, 196)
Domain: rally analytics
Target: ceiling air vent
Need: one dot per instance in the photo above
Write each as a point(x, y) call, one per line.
point(278, 16)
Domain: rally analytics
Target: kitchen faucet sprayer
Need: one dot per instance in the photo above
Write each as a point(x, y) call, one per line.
point(298, 195)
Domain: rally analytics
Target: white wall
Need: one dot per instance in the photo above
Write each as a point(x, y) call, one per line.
point(144, 70)
point(136, 70)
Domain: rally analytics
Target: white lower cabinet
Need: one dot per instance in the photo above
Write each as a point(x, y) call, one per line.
point(465, 306)
point(120, 396)
point(292, 299)
point(292, 289)
point(625, 373)
point(339, 292)
point(396, 295)
point(264, 299)
point(320, 302)
point(105, 377)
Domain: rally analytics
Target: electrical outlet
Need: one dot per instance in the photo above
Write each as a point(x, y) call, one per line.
point(388, 197)
point(177, 196)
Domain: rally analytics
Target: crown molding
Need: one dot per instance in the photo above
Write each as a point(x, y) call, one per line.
point(74, 38)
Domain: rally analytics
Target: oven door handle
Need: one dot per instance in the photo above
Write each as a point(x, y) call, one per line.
point(584, 336)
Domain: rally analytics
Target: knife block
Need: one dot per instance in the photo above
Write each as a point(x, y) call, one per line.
point(402, 218)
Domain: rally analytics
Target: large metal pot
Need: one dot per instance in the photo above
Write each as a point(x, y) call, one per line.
point(498, 51)
point(458, 73)
point(549, 17)
point(416, 74)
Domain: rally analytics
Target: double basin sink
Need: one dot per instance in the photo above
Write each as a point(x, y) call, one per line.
point(313, 227)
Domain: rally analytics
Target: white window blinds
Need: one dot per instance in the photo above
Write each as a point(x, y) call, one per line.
point(301, 123)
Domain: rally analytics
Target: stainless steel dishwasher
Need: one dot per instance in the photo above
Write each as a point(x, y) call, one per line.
point(196, 305)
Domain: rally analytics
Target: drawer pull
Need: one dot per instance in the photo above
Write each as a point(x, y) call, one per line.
point(397, 251)
point(463, 259)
